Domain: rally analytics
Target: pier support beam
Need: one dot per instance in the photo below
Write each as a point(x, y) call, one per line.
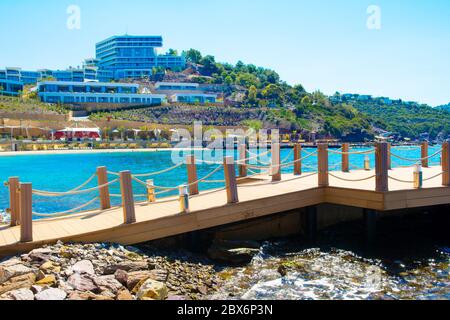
point(311, 223)
point(424, 154)
point(192, 175)
point(297, 157)
point(345, 157)
point(14, 201)
point(276, 160)
point(126, 188)
point(370, 224)
point(322, 162)
point(26, 212)
point(243, 160)
point(102, 178)
point(446, 164)
point(381, 167)
point(230, 180)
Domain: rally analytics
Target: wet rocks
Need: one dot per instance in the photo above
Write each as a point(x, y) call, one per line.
point(233, 252)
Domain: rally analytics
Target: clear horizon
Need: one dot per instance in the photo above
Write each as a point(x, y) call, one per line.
point(322, 45)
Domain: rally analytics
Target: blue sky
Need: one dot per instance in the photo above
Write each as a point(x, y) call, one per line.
point(322, 44)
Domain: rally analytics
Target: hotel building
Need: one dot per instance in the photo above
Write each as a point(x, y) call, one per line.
point(134, 56)
point(10, 87)
point(77, 93)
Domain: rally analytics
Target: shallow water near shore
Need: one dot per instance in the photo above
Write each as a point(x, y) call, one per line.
point(410, 261)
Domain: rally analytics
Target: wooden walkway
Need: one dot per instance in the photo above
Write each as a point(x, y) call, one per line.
point(258, 196)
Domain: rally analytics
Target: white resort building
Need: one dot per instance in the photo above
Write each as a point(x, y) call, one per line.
point(79, 93)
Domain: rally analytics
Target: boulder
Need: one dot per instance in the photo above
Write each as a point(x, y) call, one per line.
point(77, 295)
point(83, 266)
point(13, 270)
point(82, 283)
point(23, 281)
point(49, 267)
point(22, 294)
point(108, 283)
point(138, 277)
point(51, 294)
point(233, 252)
point(48, 280)
point(124, 294)
point(152, 289)
point(126, 266)
point(121, 276)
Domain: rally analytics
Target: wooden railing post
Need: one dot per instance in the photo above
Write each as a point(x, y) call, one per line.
point(14, 201)
point(26, 212)
point(276, 159)
point(345, 157)
point(102, 178)
point(382, 167)
point(389, 156)
point(424, 154)
point(446, 164)
point(230, 180)
point(192, 175)
point(242, 160)
point(297, 157)
point(322, 164)
point(126, 188)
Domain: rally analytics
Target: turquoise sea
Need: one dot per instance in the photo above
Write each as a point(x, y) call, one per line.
point(63, 172)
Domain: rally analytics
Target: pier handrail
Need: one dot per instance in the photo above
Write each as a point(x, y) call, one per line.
point(418, 159)
point(352, 152)
point(65, 213)
point(351, 180)
point(43, 193)
point(175, 188)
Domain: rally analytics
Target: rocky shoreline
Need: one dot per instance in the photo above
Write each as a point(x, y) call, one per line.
point(104, 272)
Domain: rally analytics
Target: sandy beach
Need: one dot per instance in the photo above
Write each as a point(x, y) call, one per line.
point(89, 151)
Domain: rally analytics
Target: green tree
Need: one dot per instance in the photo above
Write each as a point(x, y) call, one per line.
point(193, 56)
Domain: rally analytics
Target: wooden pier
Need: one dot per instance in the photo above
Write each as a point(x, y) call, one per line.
point(244, 197)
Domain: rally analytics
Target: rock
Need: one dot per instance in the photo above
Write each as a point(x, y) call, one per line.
point(152, 289)
point(108, 283)
point(38, 256)
point(22, 294)
point(76, 295)
point(124, 294)
point(82, 283)
point(202, 290)
point(121, 276)
point(47, 281)
point(176, 298)
point(140, 276)
point(23, 281)
point(282, 270)
point(51, 294)
point(126, 266)
point(83, 266)
point(9, 271)
point(49, 267)
point(226, 252)
point(36, 289)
